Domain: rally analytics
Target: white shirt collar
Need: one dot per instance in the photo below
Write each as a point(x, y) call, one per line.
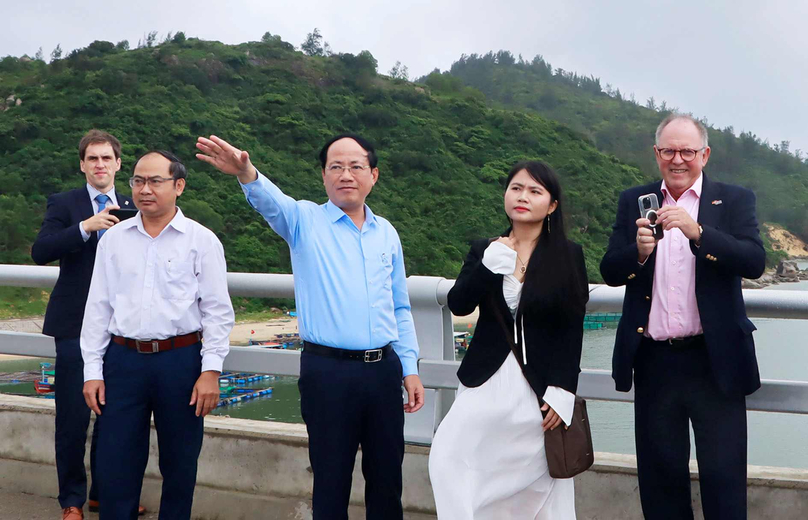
point(179, 222)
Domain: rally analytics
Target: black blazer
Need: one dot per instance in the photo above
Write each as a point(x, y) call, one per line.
point(731, 248)
point(552, 338)
point(60, 239)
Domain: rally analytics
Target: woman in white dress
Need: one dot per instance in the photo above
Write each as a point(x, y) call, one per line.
point(487, 460)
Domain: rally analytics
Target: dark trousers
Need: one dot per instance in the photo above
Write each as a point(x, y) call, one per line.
point(674, 386)
point(72, 420)
point(138, 385)
point(347, 404)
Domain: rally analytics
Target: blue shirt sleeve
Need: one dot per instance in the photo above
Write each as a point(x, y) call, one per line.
point(282, 212)
point(407, 344)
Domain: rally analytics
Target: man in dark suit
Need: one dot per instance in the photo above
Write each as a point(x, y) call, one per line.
point(74, 222)
point(684, 330)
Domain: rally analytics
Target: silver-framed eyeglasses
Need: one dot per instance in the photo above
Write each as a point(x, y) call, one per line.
point(354, 169)
point(686, 154)
point(154, 182)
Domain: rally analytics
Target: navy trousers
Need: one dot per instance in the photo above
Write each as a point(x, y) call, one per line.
point(346, 404)
point(72, 420)
point(674, 386)
point(138, 385)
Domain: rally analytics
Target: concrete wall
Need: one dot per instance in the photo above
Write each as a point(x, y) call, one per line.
point(260, 470)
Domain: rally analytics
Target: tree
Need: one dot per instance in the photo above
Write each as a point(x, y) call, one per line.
point(168, 37)
point(399, 71)
point(151, 38)
point(313, 46)
point(179, 37)
point(39, 56)
point(57, 52)
point(651, 103)
point(327, 49)
point(123, 45)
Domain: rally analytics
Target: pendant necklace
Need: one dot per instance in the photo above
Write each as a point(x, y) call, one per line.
point(524, 266)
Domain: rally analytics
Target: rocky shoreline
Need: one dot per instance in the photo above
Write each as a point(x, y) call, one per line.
point(787, 271)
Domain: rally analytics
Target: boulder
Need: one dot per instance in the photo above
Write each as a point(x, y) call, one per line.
point(751, 284)
point(788, 269)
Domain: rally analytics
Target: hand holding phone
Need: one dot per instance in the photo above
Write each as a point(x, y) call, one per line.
point(649, 205)
point(123, 213)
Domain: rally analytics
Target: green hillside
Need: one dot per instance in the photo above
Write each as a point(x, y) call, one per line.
point(618, 125)
point(443, 154)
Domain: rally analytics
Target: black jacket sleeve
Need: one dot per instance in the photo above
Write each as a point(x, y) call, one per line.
point(58, 235)
point(473, 282)
point(567, 364)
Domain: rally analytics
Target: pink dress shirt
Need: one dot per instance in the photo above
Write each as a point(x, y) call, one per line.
point(674, 311)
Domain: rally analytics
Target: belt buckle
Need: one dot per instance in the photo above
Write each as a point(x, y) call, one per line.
point(373, 359)
point(155, 346)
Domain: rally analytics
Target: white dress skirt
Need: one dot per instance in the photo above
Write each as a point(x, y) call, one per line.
point(487, 460)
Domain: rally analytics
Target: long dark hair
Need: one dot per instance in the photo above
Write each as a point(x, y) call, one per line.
point(551, 280)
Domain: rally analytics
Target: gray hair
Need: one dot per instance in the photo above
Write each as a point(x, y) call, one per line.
point(673, 116)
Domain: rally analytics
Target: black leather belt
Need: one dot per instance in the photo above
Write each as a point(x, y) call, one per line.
point(368, 356)
point(688, 342)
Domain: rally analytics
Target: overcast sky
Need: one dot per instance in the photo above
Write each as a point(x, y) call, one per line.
point(740, 63)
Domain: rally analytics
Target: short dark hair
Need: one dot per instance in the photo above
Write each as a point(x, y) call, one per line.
point(361, 141)
point(176, 168)
point(97, 137)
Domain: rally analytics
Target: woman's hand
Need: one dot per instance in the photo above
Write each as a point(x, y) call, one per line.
point(552, 420)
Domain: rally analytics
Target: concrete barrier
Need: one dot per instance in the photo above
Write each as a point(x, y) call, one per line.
point(260, 470)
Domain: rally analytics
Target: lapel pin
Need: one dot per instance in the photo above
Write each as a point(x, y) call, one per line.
point(126, 203)
point(717, 202)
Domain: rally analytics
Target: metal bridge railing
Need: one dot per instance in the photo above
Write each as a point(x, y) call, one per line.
point(433, 324)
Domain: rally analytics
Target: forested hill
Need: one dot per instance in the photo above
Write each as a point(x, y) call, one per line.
point(618, 124)
point(442, 155)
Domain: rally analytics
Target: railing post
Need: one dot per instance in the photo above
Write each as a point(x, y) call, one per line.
point(433, 327)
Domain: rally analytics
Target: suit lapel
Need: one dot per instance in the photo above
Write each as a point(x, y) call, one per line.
point(709, 213)
point(84, 203)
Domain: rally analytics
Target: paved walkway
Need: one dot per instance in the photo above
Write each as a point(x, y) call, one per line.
point(19, 506)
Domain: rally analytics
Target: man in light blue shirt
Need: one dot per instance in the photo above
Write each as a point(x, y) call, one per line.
point(354, 318)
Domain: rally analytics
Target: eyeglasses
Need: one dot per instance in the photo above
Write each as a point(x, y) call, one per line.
point(686, 154)
point(154, 182)
point(355, 169)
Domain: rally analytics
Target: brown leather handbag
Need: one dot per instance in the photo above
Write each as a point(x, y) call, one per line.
point(569, 450)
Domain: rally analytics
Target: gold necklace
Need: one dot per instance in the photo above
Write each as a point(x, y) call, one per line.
point(524, 265)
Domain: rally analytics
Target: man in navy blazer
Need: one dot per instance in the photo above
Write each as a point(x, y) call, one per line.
point(74, 222)
point(684, 335)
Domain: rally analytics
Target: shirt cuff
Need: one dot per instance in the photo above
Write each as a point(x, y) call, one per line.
point(409, 367)
point(94, 371)
point(84, 234)
point(212, 362)
point(499, 258)
point(561, 401)
point(252, 183)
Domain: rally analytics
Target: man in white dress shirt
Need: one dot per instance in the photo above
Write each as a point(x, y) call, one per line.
point(159, 285)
